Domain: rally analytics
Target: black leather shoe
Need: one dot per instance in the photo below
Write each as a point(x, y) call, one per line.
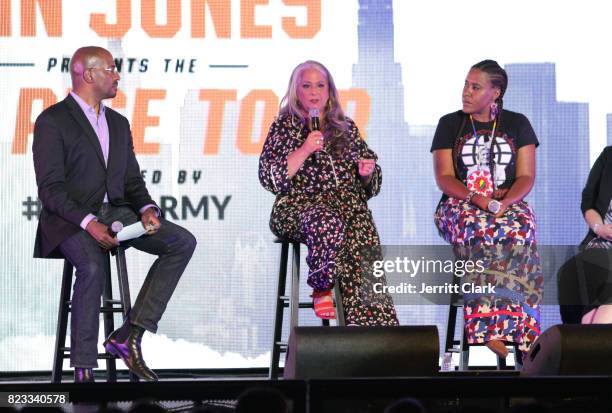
point(83, 375)
point(129, 351)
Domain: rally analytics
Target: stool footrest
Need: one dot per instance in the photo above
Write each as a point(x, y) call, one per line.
point(306, 305)
point(66, 354)
point(301, 305)
point(105, 310)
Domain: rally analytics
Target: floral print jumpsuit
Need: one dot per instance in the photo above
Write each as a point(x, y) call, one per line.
point(325, 207)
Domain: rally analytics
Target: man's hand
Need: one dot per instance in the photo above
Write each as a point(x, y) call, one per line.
point(150, 221)
point(99, 232)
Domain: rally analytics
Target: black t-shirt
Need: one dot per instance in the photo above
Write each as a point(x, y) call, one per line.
point(512, 132)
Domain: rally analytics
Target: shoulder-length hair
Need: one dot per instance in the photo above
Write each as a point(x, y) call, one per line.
point(336, 125)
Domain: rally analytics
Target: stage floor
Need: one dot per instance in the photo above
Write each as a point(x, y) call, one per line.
point(498, 391)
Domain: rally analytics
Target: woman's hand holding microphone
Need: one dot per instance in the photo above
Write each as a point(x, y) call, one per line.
point(314, 142)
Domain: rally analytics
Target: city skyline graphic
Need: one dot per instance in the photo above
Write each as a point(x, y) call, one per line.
point(609, 128)
point(404, 210)
point(562, 129)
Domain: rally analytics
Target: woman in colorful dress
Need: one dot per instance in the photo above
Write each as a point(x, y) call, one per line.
point(322, 173)
point(484, 162)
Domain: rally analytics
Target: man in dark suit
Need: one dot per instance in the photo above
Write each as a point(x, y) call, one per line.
point(88, 177)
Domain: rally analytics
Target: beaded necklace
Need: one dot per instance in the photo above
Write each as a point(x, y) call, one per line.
point(481, 180)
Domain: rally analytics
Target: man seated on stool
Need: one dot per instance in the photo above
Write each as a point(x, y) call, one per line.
point(88, 177)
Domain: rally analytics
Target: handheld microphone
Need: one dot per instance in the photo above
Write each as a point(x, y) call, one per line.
point(314, 119)
point(115, 228)
point(315, 124)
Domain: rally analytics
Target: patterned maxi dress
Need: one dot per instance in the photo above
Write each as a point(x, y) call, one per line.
point(506, 245)
point(325, 207)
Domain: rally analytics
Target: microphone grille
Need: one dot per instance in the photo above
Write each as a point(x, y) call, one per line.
point(313, 113)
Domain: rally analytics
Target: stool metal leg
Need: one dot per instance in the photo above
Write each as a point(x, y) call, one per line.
point(124, 290)
point(109, 322)
point(464, 361)
point(450, 326)
point(295, 286)
point(124, 287)
point(340, 320)
point(456, 302)
point(62, 323)
point(278, 318)
point(501, 363)
point(518, 358)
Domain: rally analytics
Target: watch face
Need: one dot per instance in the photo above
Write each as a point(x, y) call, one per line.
point(494, 206)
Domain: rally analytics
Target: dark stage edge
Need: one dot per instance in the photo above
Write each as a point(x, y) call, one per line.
point(446, 392)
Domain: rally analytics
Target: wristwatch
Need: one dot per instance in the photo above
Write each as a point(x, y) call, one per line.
point(494, 206)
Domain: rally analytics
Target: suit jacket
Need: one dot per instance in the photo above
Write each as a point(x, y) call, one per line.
point(72, 177)
point(598, 190)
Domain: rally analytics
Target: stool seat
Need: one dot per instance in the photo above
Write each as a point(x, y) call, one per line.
point(109, 307)
point(292, 301)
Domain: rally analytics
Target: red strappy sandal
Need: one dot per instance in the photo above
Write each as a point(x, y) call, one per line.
point(323, 304)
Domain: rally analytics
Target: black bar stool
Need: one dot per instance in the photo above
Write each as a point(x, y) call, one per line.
point(293, 301)
point(461, 345)
point(109, 307)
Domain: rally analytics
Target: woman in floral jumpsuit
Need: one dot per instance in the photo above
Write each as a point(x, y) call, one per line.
point(322, 180)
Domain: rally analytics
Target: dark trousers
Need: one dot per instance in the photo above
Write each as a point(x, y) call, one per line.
point(584, 283)
point(173, 246)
